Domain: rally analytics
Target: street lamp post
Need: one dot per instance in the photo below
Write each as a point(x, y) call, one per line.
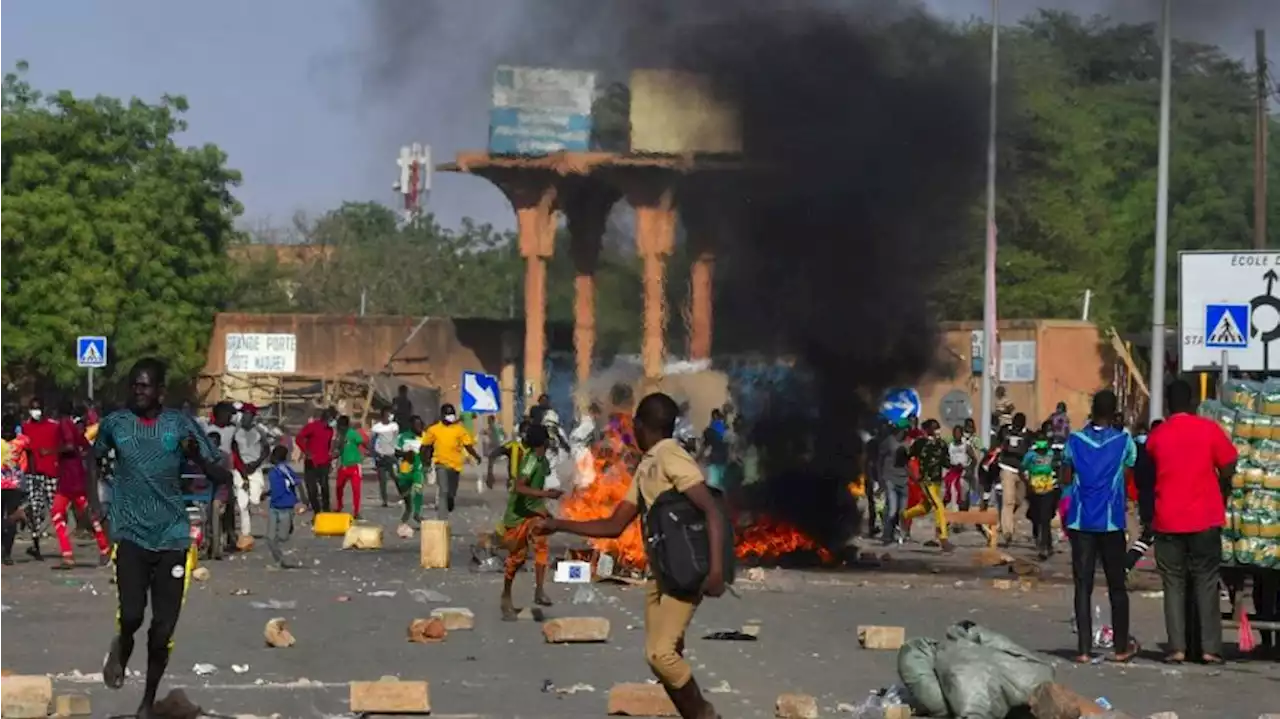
point(989, 274)
point(1158, 298)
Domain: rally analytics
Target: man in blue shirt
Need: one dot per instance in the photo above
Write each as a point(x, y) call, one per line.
point(1093, 464)
point(153, 553)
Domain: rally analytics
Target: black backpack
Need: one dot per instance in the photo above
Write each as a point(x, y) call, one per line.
point(678, 545)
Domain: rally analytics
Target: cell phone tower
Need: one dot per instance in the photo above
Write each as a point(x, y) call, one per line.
point(415, 180)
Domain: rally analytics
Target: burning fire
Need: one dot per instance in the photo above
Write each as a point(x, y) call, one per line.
point(769, 538)
point(615, 458)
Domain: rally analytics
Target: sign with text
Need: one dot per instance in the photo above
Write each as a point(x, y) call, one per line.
point(261, 353)
point(1231, 301)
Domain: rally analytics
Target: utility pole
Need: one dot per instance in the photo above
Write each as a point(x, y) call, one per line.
point(989, 273)
point(1158, 298)
point(1260, 144)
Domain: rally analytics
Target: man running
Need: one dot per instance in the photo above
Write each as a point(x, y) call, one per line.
point(444, 444)
point(149, 522)
point(386, 431)
point(665, 466)
point(72, 494)
point(251, 452)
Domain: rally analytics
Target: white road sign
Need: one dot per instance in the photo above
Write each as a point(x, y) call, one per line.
point(1216, 285)
point(261, 353)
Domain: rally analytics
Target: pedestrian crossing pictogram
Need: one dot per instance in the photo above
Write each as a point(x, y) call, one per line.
point(1226, 326)
point(91, 352)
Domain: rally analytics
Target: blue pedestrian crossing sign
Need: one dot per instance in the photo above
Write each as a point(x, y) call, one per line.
point(91, 352)
point(480, 392)
point(1226, 326)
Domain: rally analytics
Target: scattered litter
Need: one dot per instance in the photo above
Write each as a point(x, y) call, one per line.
point(404, 531)
point(383, 593)
point(604, 565)
point(586, 595)
point(240, 592)
point(428, 596)
point(1104, 703)
point(427, 631)
point(488, 565)
point(579, 687)
point(275, 604)
point(1103, 635)
point(731, 635)
point(239, 668)
point(722, 688)
point(343, 598)
point(77, 677)
point(846, 708)
point(548, 686)
point(204, 670)
point(5, 607)
point(200, 574)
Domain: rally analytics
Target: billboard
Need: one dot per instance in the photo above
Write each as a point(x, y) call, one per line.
point(1229, 301)
point(538, 111)
point(676, 112)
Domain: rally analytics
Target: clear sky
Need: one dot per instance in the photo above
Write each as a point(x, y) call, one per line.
point(278, 84)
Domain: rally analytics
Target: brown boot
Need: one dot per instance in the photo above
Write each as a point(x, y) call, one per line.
point(690, 702)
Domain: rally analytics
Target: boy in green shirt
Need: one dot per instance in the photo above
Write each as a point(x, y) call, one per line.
point(526, 505)
point(349, 460)
point(409, 474)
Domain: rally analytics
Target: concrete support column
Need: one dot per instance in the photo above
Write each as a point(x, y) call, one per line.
point(655, 240)
point(587, 210)
point(700, 309)
point(536, 224)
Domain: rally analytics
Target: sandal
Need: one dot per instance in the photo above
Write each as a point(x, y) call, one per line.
point(1213, 660)
point(1082, 659)
point(1175, 658)
point(1127, 656)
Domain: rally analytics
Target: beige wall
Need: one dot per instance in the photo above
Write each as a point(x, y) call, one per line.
point(1072, 363)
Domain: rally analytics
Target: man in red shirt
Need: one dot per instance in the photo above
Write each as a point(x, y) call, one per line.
point(315, 441)
point(72, 481)
point(1194, 461)
point(42, 470)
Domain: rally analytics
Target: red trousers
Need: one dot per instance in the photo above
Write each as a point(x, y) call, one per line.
point(349, 474)
point(58, 514)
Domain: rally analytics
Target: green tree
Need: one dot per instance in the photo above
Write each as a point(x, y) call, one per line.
point(110, 227)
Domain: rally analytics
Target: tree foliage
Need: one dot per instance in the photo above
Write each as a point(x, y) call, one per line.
point(1077, 169)
point(110, 228)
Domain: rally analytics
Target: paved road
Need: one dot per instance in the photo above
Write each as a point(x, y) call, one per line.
point(60, 623)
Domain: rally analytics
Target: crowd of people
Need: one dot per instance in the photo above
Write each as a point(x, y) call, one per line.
point(1177, 475)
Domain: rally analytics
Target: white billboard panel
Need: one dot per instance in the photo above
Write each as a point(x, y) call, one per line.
point(1239, 294)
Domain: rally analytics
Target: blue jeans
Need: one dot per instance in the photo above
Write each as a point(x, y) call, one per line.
point(895, 502)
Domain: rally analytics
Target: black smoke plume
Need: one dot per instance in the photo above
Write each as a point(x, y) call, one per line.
point(864, 126)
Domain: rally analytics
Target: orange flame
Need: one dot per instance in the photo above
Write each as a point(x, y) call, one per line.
point(616, 457)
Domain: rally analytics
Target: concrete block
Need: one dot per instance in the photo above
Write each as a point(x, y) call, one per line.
point(433, 544)
point(277, 633)
point(28, 710)
point(455, 618)
point(25, 697)
point(796, 706)
point(640, 700)
point(576, 629)
point(974, 516)
point(390, 697)
point(898, 712)
point(991, 557)
point(363, 536)
point(872, 637)
point(71, 705)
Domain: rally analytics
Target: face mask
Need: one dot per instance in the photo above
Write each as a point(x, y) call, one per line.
point(450, 418)
point(36, 414)
point(333, 423)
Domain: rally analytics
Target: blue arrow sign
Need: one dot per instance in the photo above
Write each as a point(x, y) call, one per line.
point(480, 392)
point(91, 352)
point(900, 403)
point(1226, 326)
